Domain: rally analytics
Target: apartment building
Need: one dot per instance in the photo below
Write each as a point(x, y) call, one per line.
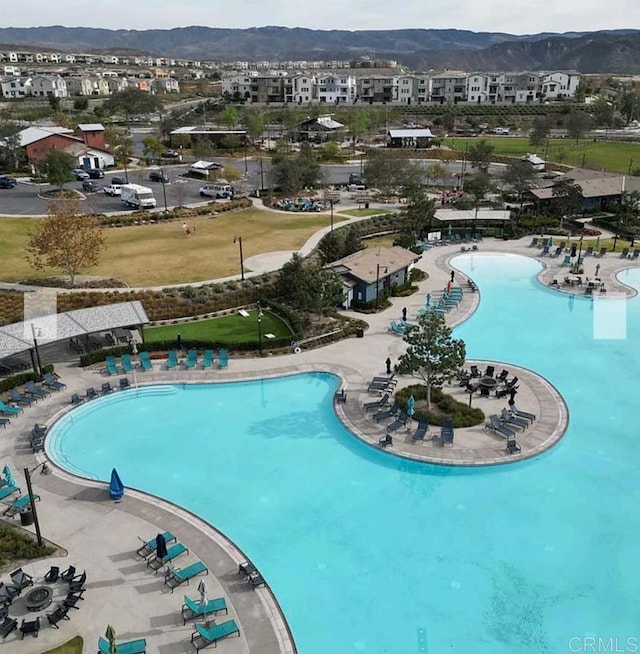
point(336, 88)
point(378, 89)
point(450, 86)
point(413, 89)
point(300, 89)
point(48, 86)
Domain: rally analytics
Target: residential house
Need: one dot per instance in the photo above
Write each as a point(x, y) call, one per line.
point(49, 86)
point(238, 87)
point(300, 89)
point(412, 89)
point(521, 88)
point(79, 85)
point(368, 273)
point(267, 88)
point(99, 86)
point(560, 85)
point(116, 84)
point(319, 129)
point(165, 85)
point(14, 71)
point(450, 86)
point(336, 88)
point(478, 87)
point(377, 90)
point(15, 87)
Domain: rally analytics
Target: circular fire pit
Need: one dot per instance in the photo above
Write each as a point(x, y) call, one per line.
point(38, 598)
point(487, 384)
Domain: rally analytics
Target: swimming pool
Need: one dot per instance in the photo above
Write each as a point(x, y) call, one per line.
point(370, 553)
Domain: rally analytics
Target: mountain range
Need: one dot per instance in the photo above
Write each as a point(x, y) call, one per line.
point(612, 51)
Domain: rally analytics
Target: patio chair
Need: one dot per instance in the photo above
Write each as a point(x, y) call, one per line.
point(386, 441)
point(107, 388)
point(77, 583)
point(558, 251)
point(512, 382)
point(193, 609)
point(176, 577)
point(8, 592)
point(18, 504)
point(204, 636)
point(475, 372)
point(589, 251)
point(502, 377)
point(513, 447)
point(51, 381)
point(10, 410)
point(256, 580)
point(53, 575)
point(207, 359)
point(173, 552)
point(7, 626)
point(400, 421)
point(112, 367)
point(635, 255)
point(223, 358)
point(130, 647)
point(495, 425)
point(545, 251)
point(4, 422)
point(246, 569)
point(489, 371)
point(19, 398)
point(510, 420)
point(602, 252)
point(383, 401)
point(567, 260)
point(172, 359)
point(37, 443)
point(149, 546)
point(387, 413)
point(191, 360)
point(68, 574)
point(60, 613)
point(421, 431)
point(90, 393)
point(30, 627)
point(534, 242)
point(76, 399)
point(124, 383)
point(145, 361)
point(340, 396)
point(8, 491)
point(125, 360)
point(71, 601)
point(395, 328)
point(446, 432)
point(625, 253)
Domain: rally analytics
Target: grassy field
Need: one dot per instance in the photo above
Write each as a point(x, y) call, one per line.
point(227, 329)
point(606, 155)
point(153, 255)
point(358, 213)
point(380, 241)
point(74, 646)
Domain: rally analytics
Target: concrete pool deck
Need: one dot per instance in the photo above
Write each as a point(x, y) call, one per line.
point(101, 536)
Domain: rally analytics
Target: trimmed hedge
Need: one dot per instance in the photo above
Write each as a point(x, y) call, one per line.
point(21, 379)
point(447, 407)
point(101, 355)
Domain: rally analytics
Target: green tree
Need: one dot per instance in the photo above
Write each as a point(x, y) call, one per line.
point(81, 104)
point(254, 124)
point(57, 167)
point(421, 209)
point(436, 171)
point(352, 241)
point(230, 117)
point(630, 106)
point(309, 166)
point(55, 104)
point(386, 170)
point(152, 146)
point(519, 176)
point(480, 154)
point(66, 239)
point(577, 124)
point(289, 273)
point(567, 197)
point(12, 155)
point(603, 112)
point(132, 102)
point(477, 185)
point(331, 247)
point(318, 290)
point(449, 118)
point(291, 173)
point(540, 132)
point(432, 354)
point(359, 123)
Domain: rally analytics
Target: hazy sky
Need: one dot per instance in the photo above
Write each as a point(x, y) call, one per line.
point(513, 16)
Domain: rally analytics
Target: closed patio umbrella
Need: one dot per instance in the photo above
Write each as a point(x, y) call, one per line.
point(597, 242)
point(110, 635)
point(161, 546)
point(550, 241)
point(202, 589)
point(411, 406)
point(449, 231)
point(8, 477)
point(428, 299)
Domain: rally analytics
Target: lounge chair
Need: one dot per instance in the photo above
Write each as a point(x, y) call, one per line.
point(625, 253)
point(149, 546)
point(635, 255)
point(173, 552)
point(567, 260)
point(7, 626)
point(4, 422)
point(489, 371)
point(124, 383)
point(545, 251)
point(511, 420)
point(446, 432)
point(513, 447)
point(193, 609)
point(383, 401)
point(395, 328)
point(21, 579)
point(127, 366)
point(340, 396)
point(18, 504)
point(90, 393)
point(421, 431)
point(390, 380)
point(76, 399)
point(246, 569)
point(175, 577)
point(130, 647)
point(522, 414)
point(207, 359)
point(145, 361)
point(386, 441)
point(256, 580)
point(203, 636)
point(19, 398)
point(107, 388)
point(172, 359)
point(495, 424)
point(534, 242)
point(602, 252)
point(379, 386)
point(400, 421)
point(589, 251)
point(387, 413)
point(50, 381)
point(223, 358)
point(59, 614)
point(558, 251)
point(8, 491)
point(10, 410)
point(52, 576)
point(112, 367)
point(191, 360)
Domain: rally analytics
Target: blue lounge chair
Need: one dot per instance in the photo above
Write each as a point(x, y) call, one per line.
point(495, 424)
point(396, 328)
point(446, 432)
point(207, 359)
point(18, 504)
point(172, 359)
point(130, 647)
point(172, 553)
point(511, 420)
point(19, 398)
point(4, 422)
point(545, 251)
point(400, 421)
point(50, 381)
point(223, 360)
point(192, 359)
point(625, 253)
point(522, 414)
point(378, 404)
point(387, 413)
point(125, 359)
point(149, 546)
point(567, 260)
point(420, 433)
point(112, 367)
point(193, 609)
point(513, 447)
point(203, 636)
point(175, 577)
point(602, 252)
point(32, 389)
point(90, 393)
point(589, 251)
point(10, 410)
point(145, 361)
point(8, 491)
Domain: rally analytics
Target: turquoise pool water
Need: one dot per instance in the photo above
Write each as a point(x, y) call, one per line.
point(370, 553)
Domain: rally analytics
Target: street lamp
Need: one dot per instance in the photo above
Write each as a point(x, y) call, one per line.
point(260, 328)
point(246, 165)
point(164, 189)
point(238, 240)
point(385, 269)
point(331, 204)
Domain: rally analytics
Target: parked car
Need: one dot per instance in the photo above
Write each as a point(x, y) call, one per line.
point(80, 174)
point(118, 181)
point(158, 176)
point(113, 189)
point(7, 182)
point(96, 173)
point(170, 154)
point(91, 186)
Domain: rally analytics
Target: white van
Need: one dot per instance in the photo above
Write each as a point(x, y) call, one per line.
point(217, 191)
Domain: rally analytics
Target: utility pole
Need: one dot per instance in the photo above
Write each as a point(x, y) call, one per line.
point(36, 522)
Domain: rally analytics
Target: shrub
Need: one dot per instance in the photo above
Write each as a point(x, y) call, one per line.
point(16, 545)
point(21, 379)
point(100, 355)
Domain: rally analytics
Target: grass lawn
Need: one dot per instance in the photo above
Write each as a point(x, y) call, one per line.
point(379, 241)
point(362, 212)
point(153, 255)
point(227, 329)
point(613, 156)
point(74, 646)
